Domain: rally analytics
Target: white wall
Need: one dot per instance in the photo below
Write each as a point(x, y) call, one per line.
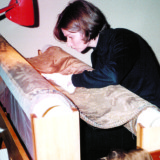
point(141, 16)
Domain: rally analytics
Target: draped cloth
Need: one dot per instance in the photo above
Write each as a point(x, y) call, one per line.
point(104, 108)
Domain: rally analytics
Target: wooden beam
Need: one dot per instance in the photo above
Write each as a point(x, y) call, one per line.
point(12, 143)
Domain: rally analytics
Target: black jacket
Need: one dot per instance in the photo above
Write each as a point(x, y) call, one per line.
point(123, 57)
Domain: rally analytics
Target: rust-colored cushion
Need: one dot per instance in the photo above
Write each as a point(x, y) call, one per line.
point(56, 60)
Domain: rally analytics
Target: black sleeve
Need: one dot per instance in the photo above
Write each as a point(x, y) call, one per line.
point(122, 56)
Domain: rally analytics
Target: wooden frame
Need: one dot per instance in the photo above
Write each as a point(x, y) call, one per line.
point(10, 139)
point(57, 137)
point(148, 139)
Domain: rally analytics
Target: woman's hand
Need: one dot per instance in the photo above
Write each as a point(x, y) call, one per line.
point(62, 80)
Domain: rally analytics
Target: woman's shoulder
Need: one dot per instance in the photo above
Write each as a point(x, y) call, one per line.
point(109, 35)
point(122, 33)
point(115, 31)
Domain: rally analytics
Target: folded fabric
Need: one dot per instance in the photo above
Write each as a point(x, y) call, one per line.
point(106, 107)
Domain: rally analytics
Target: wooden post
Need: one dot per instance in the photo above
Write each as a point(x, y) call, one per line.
point(139, 135)
point(57, 137)
point(148, 138)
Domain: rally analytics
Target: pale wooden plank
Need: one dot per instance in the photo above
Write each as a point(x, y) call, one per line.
point(57, 137)
point(139, 135)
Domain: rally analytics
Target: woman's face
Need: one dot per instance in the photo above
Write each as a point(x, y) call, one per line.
point(75, 40)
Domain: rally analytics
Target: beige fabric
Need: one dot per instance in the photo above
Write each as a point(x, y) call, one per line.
point(106, 107)
point(26, 85)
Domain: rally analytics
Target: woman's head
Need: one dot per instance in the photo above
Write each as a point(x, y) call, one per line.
point(80, 16)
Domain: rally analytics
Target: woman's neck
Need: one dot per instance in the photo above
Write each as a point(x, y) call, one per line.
point(93, 42)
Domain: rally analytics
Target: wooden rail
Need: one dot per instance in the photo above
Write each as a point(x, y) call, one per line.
point(10, 140)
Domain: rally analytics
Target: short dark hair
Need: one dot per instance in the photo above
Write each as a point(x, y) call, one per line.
point(82, 16)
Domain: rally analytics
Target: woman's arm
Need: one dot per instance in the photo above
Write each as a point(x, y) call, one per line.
point(114, 66)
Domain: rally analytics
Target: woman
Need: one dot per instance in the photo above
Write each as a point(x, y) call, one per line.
point(120, 57)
